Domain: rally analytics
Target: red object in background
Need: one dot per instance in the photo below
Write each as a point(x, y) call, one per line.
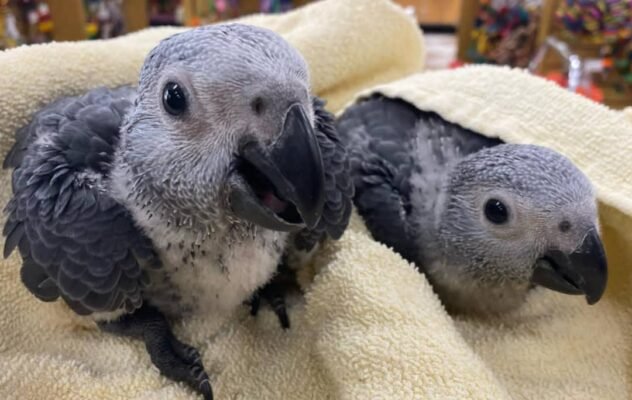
point(456, 64)
point(592, 91)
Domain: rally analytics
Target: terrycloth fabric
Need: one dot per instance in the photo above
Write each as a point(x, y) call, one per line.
point(370, 326)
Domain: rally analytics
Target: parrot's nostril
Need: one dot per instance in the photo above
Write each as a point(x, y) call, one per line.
point(257, 105)
point(565, 226)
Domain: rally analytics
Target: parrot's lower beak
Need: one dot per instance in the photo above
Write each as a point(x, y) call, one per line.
point(285, 181)
point(584, 271)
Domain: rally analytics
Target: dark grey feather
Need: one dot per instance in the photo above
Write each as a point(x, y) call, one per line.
point(378, 134)
point(76, 242)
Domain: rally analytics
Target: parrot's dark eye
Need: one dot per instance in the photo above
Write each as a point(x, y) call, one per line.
point(173, 99)
point(496, 212)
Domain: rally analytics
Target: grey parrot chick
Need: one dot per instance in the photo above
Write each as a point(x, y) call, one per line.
point(181, 196)
point(485, 221)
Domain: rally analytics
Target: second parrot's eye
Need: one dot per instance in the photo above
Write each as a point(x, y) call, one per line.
point(496, 211)
point(173, 99)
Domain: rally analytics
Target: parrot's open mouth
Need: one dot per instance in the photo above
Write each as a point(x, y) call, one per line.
point(283, 185)
point(264, 190)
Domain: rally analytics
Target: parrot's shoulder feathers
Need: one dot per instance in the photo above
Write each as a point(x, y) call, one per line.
point(69, 121)
point(76, 241)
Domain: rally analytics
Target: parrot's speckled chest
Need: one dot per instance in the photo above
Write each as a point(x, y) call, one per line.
point(215, 274)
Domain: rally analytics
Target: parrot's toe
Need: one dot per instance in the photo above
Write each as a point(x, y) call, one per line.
point(175, 360)
point(187, 353)
point(276, 302)
point(180, 362)
point(274, 293)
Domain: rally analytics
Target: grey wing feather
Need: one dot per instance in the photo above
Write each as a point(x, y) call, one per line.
point(438, 146)
point(379, 135)
point(338, 184)
point(75, 240)
point(439, 142)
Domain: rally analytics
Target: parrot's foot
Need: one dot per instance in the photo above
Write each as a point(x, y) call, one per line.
point(178, 361)
point(174, 359)
point(274, 293)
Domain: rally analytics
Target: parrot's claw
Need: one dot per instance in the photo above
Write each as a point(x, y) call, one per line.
point(178, 361)
point(205, 389)
point(175, 360)
point(274, 293)
point(188, 363)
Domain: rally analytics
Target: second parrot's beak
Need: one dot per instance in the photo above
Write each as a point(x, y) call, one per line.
point(584, 271)
point(285, 181)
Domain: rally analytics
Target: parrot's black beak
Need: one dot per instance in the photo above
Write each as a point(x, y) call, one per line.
point(286, 179)
point(584, 271)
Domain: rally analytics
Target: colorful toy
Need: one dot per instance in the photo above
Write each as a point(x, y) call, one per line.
point(105, 19)
point(504, 33)
point(597, 21)
point(604, 23)
point(35, 18)
point(44, 19)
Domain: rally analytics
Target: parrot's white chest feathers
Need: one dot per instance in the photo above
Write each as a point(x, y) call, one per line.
point(213, 274)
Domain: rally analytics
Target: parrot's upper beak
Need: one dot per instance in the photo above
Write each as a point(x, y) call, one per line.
point(285, 188)
point(584, 271)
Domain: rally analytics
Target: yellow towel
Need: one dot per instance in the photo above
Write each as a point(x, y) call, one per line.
point(370, 326)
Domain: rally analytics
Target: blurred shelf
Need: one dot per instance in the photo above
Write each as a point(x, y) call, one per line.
point(434, 12)
point(136, 14)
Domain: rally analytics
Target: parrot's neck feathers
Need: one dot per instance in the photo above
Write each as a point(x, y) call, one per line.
point(153, 213)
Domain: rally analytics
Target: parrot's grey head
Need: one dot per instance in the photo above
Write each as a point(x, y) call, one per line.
point(518, 216)
point(223, 126)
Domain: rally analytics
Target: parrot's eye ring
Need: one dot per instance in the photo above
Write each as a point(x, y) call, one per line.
point(496, 211)
point(173, 99)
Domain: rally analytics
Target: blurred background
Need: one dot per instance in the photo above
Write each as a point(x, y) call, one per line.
point(583, 45)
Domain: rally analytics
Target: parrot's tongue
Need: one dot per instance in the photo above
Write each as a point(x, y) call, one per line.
point(267, 195)
point(270, 200)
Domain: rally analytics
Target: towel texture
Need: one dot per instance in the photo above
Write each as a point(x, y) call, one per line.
point(370, 325)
